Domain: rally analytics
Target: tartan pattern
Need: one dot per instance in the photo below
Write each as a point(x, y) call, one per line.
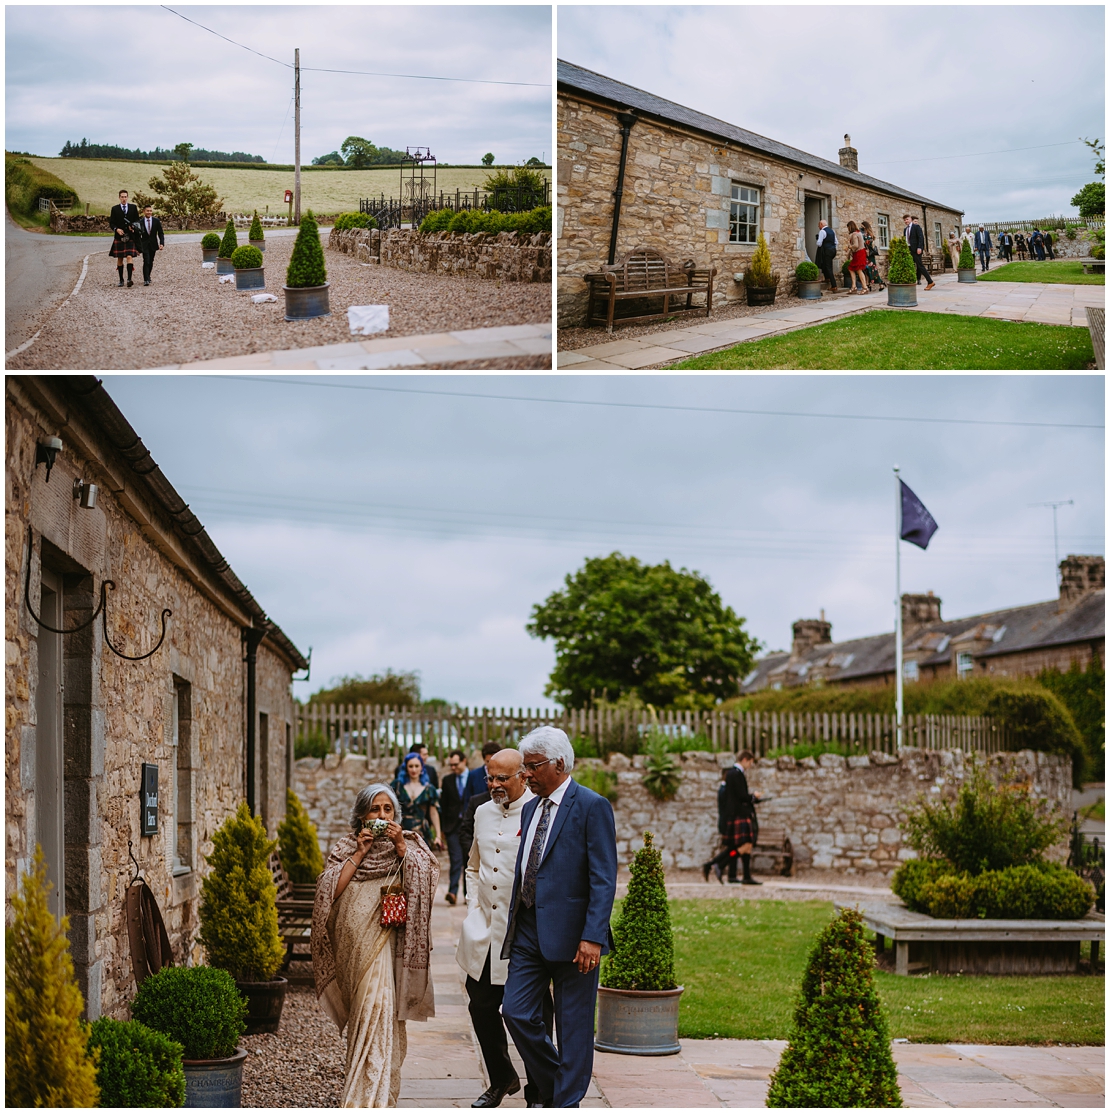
point(741, 831)
point(123, 247)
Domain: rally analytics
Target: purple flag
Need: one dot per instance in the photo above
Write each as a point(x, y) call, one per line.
point(918, 525)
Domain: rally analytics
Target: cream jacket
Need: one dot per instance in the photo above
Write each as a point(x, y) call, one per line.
point(489, 887)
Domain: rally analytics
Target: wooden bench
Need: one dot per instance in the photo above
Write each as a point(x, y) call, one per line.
point(775, 847)
point(644, 273)
point(1093, 266)
point(294, 909)
point(1096, 323)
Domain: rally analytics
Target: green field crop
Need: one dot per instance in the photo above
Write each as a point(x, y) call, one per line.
point(99, 181)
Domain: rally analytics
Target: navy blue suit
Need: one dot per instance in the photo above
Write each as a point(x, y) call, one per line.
point(475, 784)
point(983, 246)
point(575, 886)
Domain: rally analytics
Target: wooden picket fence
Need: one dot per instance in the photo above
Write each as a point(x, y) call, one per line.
point(1048, 223)
point(388, 731)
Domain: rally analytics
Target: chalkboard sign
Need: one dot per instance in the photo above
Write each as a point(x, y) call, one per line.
point(148, 803)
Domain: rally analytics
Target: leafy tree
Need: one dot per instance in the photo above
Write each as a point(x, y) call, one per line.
point(622, 627)
point(487, 159)
point(45, 1041)
point(516, 189)
point(1100, 156)
point(1091, 199)
point(388, 689)
point(1036, 720)
point(181, 194)
point(533, 161)
point(333, 158)
point(838, 1054)
point(182, 151)
point(358, 152)
point(299, 846)
point(306, 264)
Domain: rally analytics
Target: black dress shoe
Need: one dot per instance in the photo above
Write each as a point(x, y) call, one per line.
point(130, 283)
point(495, 1095)
point(705, 870)
point(719, 872)
point(146, 281)
point(750, 881)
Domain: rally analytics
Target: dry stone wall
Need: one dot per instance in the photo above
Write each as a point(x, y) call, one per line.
point(840, 813)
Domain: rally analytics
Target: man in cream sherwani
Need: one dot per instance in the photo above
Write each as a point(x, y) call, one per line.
point(489, 888)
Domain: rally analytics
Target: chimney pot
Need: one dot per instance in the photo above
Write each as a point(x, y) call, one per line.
point(810, 632)
point(919, 610)
point(1079, 576)
point(849, 156)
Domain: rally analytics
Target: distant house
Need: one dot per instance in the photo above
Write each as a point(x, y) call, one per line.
point(1019, 641)
point(202, 721)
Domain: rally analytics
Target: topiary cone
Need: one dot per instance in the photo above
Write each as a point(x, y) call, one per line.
point(967, 258)
point(306, 266)
point(298, 843)
point(901, 270)
point(230, 241)
point(256, 228)
point(839, 1049)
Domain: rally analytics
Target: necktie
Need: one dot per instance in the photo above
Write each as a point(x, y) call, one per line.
point(528, 885)
point(148, 227)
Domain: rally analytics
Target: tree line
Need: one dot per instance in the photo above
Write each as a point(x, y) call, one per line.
point(182, 152)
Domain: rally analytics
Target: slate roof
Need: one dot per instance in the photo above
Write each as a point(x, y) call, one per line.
point(992, 635)
point(582, 80)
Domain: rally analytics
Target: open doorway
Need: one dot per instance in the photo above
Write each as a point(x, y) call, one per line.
point(49, 752)
point(814, 211)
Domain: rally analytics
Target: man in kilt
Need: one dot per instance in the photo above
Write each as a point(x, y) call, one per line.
point(740, 822)
point(120, 220)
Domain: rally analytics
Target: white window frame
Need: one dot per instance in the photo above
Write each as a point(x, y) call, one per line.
point(938, 235)
point(910, 672)
point(965, 665)
point(884, 229)
point(744, 197)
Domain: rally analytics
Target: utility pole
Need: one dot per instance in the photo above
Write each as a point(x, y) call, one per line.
point(297, 138)
point(1055, 536)
point(898, 607)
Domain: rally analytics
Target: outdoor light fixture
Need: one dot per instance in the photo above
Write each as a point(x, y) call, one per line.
point(46, 453)
point(86, 492)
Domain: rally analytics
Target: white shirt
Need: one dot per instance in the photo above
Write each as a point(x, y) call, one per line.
point(821, 236)
point(556, 799)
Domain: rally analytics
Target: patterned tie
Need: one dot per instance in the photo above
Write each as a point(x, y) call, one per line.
point(528, 885)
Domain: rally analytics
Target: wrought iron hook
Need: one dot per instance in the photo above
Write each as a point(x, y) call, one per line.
point(138, 869)
point(27, 593)
point(166, 612)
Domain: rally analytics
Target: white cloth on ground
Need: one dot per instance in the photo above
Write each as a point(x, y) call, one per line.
point(368, 319)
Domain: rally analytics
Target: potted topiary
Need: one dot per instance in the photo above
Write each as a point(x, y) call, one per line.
point(137, 1067)
point(249, 272)
point(209, 247)
point(760, 282)
point(227, 246)
point(901, 276)
point(238, 917)
point(809, 279)
point(306, 280)
point(298, 843)
point(846, 274)
point(838, 1052)
point(637, 1000)
point(256, 237)
point(965, 272)
point(199, 1008)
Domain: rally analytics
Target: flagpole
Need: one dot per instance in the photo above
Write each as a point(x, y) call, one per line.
point(898, 604)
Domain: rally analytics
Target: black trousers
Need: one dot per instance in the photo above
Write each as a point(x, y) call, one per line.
point(485, 1015)
point(455, 854)
point(918, 262)
point(825, 263)
point(148, 263)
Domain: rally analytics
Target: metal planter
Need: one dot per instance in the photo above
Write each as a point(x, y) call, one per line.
point(215, 1083)
point(809, 288)
point(638, 1022)
point(302, 303)
point(223, 266)
point(901, 294)
point(260, 244)
point(265, 1001)
point(208, 254)
point(250, 278)
point(966, 275)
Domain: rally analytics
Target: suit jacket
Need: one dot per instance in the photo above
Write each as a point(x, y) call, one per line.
point(150, 242)
point(450, 805)
point(983, 239)
point(739, 802)
point(915, 238)
point(1006, 240)
point(466, 825)
point(119, 218)
point(475, 783)
point(577, 877)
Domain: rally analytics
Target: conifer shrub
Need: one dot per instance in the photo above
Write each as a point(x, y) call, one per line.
point(643, 954)
point(198, 1007)
point(901, 270)
point(354, 220)
point(138, 1067)
point(967, 256)
point(246, 257)
point(45, 1042)
point(807, 271)
point(210, 240)
point(238, 912)
point(298, 844)
point(838, 1054)
point(256, 232)
point(759, 273)
point(230, 241)
point(306, 266)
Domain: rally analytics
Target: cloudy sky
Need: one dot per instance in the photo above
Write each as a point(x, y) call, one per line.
point(392, 527)
point(945, 101)
point(178, 83)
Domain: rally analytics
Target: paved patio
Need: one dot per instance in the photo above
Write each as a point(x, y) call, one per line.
point(444, 1068)
point(1046, 303)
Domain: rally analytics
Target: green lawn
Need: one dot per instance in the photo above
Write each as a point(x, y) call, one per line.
point(1097, 810)
point(1051, 270)
point(742, 962)
point(885, 339)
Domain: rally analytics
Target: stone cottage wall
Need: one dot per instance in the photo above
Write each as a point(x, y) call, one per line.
point(841, 814)
point(677, 192)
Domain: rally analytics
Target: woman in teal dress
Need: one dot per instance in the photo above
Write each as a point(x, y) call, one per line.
point(418, 802)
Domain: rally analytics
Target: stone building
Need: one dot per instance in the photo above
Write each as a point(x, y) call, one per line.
point(695, 187)
point(207, 710)
point(1019, 641)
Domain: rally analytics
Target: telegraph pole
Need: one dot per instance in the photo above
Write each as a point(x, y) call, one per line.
point(297, 138)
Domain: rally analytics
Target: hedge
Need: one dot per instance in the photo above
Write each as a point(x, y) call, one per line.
point(492, 222)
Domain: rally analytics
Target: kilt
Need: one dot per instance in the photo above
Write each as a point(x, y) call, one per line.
point(741, 831)
point(123, 247)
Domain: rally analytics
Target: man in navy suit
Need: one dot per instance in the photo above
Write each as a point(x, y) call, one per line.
point(983, 247)
point(915, 239)
point(562, 899)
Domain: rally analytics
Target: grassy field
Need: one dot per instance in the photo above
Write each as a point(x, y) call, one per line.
point(742, 963)
point(1068, 271)
point(99, 181)
point(888, 340)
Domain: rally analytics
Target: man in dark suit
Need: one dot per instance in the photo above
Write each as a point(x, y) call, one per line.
point(1006, 242)
point(983, 247)
point(476, 784)
point(151, 240)
point(915, 239)
point(123, 248)
point(563, 889)
point(466, 824)
point(450, 817)
point(741, 827)
point(1048, 245)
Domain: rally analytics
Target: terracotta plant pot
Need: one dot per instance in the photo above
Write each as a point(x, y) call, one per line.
point(265, 1001)
point(215, 1083)
point(966, 275)
point(901, 294)
point(250, 278)
point(302, 303)
point(223, 266)
point(638, 1021)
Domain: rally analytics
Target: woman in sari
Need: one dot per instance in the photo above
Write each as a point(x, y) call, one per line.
point(419, 799)
point(371, 979)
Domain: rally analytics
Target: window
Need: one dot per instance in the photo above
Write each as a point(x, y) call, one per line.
point(884, 229)
point(909, 671)
point(743, 223)
point(964, 665)
point(938, 239)
point(181, 790)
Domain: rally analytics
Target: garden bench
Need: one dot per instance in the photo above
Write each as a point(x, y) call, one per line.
point(1096, 323)
point(294, 909)
point(1093, 266)
point(980, 946)
point(644, 274)
point(775, 847)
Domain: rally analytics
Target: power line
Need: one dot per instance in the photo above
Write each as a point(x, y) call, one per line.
point(974, 154)
point(650, 405)
point(225, 38)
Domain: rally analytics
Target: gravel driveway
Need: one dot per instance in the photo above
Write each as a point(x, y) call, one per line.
point(186, 315)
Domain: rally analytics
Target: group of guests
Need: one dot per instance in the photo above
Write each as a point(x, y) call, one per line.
point(134, 234)
point(863, 269)
point(1038, 246)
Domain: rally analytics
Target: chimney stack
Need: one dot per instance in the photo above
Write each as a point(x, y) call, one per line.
point(919, 610)
point(810, 632)
point(849, 156)
point(1079, 576)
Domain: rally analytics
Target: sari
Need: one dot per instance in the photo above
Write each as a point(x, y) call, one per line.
point(371, 980)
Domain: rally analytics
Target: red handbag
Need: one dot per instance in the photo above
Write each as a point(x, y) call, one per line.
point(395, 906)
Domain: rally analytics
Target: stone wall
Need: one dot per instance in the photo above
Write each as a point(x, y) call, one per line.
point(840, 814)
point(677, 192)
point(506, 256)
point(61, 222)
